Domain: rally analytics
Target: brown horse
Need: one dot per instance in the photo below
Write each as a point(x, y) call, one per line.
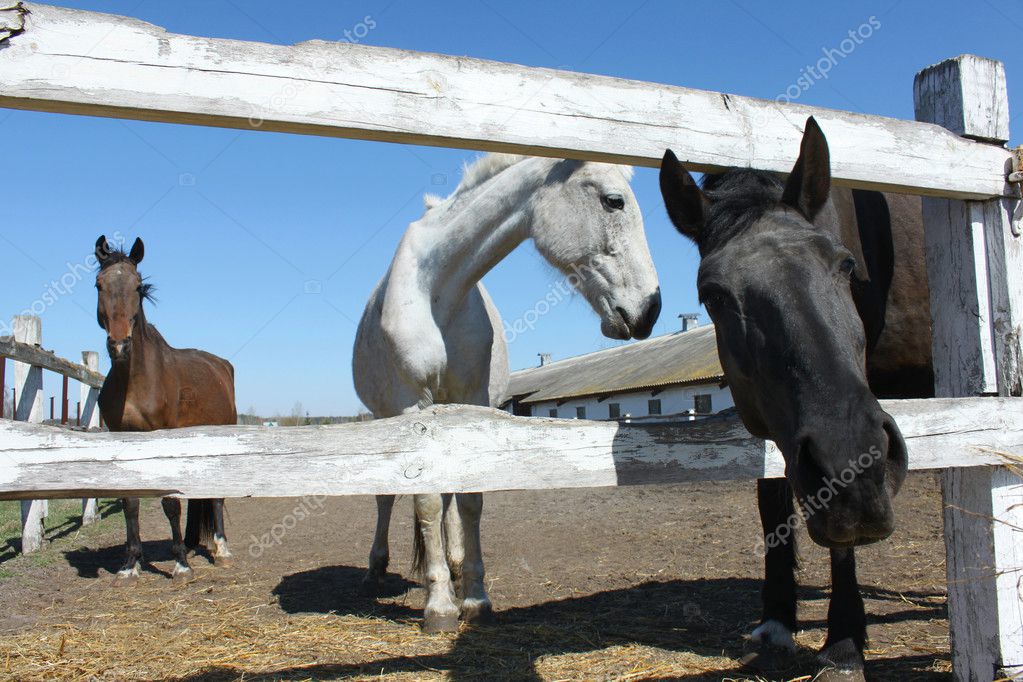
point(820, 302)
point(153, 386)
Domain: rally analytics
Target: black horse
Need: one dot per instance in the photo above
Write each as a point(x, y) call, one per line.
point(820, 303)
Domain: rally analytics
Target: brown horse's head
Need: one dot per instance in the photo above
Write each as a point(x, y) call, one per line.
point(776, 281)
point(121, 292)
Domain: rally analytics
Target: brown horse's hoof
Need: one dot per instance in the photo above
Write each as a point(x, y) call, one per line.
point(182, 575)
point(836, 675)
point(125, 579)
point(371, 585)
point(223, 561)
point(434, 623)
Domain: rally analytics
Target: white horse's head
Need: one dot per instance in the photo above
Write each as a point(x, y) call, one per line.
point(585, 221)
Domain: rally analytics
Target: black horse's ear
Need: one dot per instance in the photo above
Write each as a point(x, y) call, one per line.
point(102, 249)
point(686, 203)
point(809, 184)
point(138, 250)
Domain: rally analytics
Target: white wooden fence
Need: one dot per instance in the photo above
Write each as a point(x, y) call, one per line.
point(69, 61)
point(23, 347)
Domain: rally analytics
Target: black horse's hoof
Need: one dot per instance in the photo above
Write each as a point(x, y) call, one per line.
point(836, 675)
point(434, 623)
point(125, 578)
point(223, 561)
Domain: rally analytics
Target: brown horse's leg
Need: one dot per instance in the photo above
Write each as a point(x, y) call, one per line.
point(221, 554)
point(172, 508)
point(133, 545)
point(379, 555)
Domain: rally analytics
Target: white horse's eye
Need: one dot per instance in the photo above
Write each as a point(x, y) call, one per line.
point(613, 202)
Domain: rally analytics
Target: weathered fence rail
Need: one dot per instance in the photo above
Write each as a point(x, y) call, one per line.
point(449, 448)
point(69, 61)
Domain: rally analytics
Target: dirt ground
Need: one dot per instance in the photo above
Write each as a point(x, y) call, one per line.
point(610, 584)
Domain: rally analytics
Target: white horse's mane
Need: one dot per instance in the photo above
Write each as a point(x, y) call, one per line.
point(487, 166)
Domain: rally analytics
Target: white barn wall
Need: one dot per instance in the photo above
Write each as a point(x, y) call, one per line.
point(674, 399)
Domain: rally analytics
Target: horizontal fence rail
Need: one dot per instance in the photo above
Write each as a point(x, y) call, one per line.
point(70, 61)
point(456, 449)
point(38, 357)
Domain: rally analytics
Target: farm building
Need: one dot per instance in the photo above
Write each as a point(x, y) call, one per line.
point(670, 375)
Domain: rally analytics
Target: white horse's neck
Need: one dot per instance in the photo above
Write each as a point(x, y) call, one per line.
point(463, 237)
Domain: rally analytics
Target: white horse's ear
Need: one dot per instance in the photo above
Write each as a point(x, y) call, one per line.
point(686, 203)
point(809, 184)
point(431, 201)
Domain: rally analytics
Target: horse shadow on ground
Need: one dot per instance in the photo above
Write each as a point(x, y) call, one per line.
point(12, 547)
point(104, 562)
point(704, 618)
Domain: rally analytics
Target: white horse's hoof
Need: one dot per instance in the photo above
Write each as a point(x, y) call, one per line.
point(774, 634)
point(440, 622)
point(477, 611)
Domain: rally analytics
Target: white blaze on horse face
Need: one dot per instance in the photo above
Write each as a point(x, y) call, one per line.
point(586, 222)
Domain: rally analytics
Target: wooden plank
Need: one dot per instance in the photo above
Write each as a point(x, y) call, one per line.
point(452, 449)
point(975, 266)
point(89, 419)
point(31, 354)
point(78, 62)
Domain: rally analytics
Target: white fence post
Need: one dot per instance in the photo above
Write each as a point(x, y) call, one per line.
point(90, 420)
point(975, 267)
point(28, 384)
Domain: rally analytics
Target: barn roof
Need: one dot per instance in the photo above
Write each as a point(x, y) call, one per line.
point(689, 357)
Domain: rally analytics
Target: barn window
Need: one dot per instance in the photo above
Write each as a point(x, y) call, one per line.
point(580, 412)
point(703, 404)
point(553, 412)
point(653, 406)
point(614, 410)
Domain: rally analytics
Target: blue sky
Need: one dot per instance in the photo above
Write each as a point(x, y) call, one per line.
point(237, 224)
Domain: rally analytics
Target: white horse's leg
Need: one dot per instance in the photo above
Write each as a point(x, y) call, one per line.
point(453, 543)
point(441, 613)
point(379, 554)
point(476, 604)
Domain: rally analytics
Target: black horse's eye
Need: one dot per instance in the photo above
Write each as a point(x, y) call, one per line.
point(613, 202)
point(847, 266)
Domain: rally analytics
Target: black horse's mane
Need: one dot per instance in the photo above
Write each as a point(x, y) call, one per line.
point(147, 290)
point(739, 197)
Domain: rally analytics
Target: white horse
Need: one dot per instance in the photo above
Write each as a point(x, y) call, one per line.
point(430, 333)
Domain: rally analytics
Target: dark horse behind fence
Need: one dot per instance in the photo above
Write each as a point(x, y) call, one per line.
point(154, 386)
point(820, 303)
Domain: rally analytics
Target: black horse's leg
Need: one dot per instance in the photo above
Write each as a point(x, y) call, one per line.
point(847, 620)
point(221, 553)
point(172, 508)
point(379, 554)
point(774, 498)
point(133, 546)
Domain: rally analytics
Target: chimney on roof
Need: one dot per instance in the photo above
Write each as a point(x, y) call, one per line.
point(689, 321)
point(545, 359)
